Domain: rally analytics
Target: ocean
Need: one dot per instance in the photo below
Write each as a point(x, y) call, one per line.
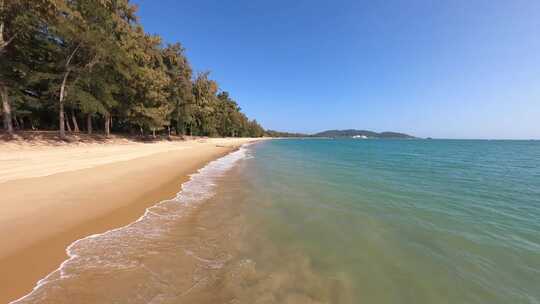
point(327, 221)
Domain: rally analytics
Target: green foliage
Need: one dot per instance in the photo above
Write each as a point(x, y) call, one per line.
point(108, 67)
point(272, 133)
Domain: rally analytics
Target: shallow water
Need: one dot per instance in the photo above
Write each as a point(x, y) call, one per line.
point(328, 221)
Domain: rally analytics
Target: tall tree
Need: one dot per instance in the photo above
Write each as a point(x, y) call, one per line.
point(180, 88)
point(204, 93)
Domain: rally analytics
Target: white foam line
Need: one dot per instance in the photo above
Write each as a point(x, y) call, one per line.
point(241, 152)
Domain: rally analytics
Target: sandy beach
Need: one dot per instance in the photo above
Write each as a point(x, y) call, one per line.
point(54, 195)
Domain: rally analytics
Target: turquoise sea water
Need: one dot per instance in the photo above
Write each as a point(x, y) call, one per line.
point(327, 221)
point(398, 221)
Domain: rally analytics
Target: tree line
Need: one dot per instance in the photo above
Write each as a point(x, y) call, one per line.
point(273, 133)
point(75, 65)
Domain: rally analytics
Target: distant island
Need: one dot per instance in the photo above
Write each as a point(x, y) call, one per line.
point(352, 133)
point(361, 134)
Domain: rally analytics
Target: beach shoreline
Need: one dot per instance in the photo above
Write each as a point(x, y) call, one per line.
point(42, 215)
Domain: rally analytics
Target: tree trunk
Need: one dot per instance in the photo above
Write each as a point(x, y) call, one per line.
point(89, 123)
point(154, 133)
point(3, 42)
point(21, 123)
point(61, 120)
point(62, 92)
point(74, 120)
point(68, 126)
point(6, 109)
point(16, 120)
point(2, 27)
point(107, 124)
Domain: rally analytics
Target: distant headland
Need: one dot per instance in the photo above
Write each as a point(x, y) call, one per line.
point(352, 133)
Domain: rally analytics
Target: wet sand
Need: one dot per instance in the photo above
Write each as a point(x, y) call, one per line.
point(41, 216)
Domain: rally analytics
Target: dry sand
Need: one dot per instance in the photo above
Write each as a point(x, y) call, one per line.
point(51, 196)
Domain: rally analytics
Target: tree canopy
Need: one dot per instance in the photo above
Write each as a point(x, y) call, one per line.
point(67, 61)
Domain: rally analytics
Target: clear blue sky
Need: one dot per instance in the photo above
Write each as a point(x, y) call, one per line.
point(452, 69)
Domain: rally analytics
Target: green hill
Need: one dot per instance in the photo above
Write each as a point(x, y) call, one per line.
point(368, 134)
